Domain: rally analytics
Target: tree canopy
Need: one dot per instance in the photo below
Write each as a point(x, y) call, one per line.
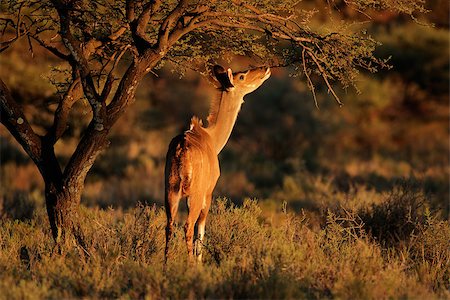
point(94, 35)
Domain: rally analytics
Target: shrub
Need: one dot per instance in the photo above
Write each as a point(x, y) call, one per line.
point(395, 219)
point(245, 256)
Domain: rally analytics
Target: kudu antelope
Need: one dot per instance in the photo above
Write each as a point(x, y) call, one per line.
point(192, 166)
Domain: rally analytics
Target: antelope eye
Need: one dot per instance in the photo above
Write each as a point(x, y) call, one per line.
point(241, 77)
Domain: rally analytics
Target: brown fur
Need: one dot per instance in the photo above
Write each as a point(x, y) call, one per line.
point(192, 166)
point(214, 108)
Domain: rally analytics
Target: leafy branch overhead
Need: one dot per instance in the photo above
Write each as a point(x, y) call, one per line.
point(93, 36)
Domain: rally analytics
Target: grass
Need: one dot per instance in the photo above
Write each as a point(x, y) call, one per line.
point(393, 247)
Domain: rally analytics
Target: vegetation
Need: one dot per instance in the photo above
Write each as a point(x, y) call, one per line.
point(348, 253)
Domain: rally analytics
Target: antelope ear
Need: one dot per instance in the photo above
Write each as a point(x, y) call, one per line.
point(223, 77)
point(230, 76)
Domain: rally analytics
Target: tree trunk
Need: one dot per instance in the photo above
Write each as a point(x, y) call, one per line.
point(62, 208)
point(63, 190)
point(62, 197)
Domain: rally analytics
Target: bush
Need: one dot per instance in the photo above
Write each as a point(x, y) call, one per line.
point(245, 256)
point(397, 218)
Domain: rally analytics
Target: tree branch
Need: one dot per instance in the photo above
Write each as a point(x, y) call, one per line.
point(93, 44)
point(110, 78)
point(310, 83)
point(149, 9)
point(74, 46)
point(130, 10)
point(215, 23)
point(50, 48)
point(126, 90)
point(276, 26)
point(14, 120)
point(62, 112)
point(165, 29)
point(18, 30)
point(325, 77)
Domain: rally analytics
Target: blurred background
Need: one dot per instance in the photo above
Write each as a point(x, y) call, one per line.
point(394, 131)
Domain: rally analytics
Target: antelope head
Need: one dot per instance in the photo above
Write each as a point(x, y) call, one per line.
point(241, 82)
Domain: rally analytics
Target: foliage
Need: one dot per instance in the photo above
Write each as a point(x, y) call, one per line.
point(246, 256)
point(276, 33)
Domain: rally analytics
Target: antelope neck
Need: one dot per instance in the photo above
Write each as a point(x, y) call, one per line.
point(223, 119)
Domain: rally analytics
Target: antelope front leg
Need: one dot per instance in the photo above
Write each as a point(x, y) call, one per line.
point(189, 233)
point(199, 241)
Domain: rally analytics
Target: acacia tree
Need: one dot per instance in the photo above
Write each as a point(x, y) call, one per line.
point(95, 37)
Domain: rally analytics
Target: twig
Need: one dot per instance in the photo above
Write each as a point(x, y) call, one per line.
point(310, 83)
point(110, 79)
point(324, 76)
point(30, 46)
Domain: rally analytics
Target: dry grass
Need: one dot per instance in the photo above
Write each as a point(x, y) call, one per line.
point(348, 254)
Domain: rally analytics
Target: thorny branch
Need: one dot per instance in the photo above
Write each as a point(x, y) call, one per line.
point(172, 26)
point(253, 20)
point(325, 77)
point(310, 83)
